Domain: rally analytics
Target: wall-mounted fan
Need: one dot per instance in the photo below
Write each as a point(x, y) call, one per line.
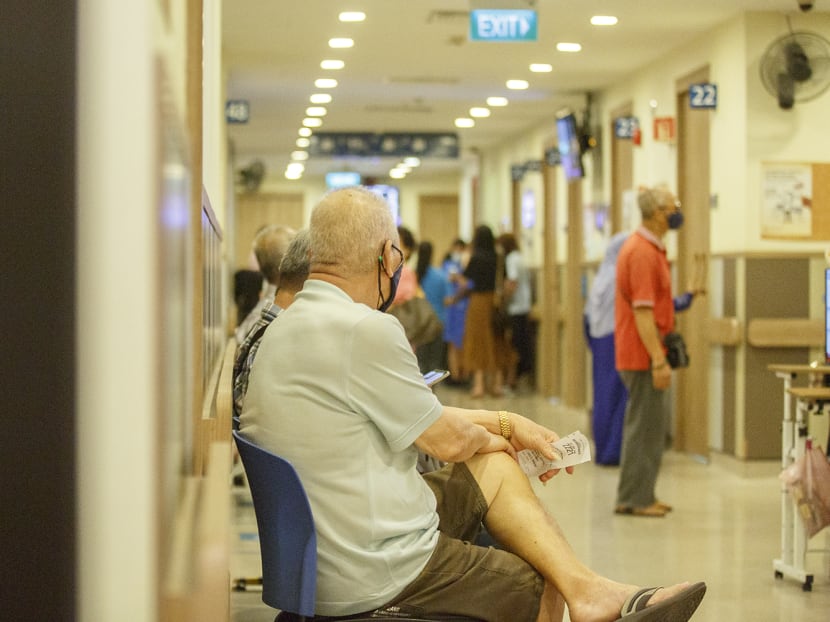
point(251, 176)
point(796, 67)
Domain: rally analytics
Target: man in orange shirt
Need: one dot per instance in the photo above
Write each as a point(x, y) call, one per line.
point(644, 314)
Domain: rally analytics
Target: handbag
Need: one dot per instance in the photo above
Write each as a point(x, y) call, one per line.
point(676, 353)
point(419, 321)
point(808, 482)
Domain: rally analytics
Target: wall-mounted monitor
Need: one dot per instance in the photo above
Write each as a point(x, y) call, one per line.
point(827, 316)
point(390, 194)
point(570, 153)
point(342, 179)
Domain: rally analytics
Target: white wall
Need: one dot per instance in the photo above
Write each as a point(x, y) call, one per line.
point(118, 540)
point(775, 135)
point(746, 129)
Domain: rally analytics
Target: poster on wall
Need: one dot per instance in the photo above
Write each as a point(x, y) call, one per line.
point(786, 200)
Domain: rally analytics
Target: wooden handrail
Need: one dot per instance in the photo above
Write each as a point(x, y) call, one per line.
point(724, 331)
point(785, 332)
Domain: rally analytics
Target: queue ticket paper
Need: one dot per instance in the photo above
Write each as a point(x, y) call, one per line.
point(572, 449)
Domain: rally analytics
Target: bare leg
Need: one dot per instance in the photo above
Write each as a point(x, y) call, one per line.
point(517, 519)
point(453, 357)
point(498, 383)
point(478, 383)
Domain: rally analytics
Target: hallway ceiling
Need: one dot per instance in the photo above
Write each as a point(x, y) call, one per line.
point(413, 70)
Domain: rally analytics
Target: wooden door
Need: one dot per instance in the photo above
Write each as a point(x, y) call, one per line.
point(438, 223)
point(692, 384)
point(256, 210)
point(622, 171)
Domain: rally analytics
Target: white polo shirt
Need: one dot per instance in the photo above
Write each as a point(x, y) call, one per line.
point(335, 389)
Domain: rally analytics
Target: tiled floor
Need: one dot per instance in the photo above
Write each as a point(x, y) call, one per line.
point(725, 530)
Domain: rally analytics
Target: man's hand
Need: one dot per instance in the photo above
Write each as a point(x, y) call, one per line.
point(661, 376)
point(527, 434)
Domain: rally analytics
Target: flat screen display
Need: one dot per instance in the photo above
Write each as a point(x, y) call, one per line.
point(567, 135)
point(827, 315)
point(390, 194)
point(342, 179)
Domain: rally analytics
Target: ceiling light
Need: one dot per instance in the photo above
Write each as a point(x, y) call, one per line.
point(315, 111)
point(304, 131)
point(496, 102)
point(464, 122)
point(320, 98)
point(341, 42)
point(352, 16)
point(325, 83)
point(332, 64)
point(564, 46)
point(299, 155)
point(312, 122)
point(295, 166)
point(479, 112)
point(541, 67)
point(603, 20)
point(397, 174)
point(293, 174)
point(517, 85)
point(302, 143)
point(412, 161)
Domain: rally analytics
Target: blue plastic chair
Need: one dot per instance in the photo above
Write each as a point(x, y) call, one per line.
point(288, 542)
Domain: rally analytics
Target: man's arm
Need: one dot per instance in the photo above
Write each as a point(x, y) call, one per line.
point(647, 329)
point(457, 435)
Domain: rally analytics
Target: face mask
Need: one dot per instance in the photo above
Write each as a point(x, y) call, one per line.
point(393, 285)
point(675, 220)
point(393, 289)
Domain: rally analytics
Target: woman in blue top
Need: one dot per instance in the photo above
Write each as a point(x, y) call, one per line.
point(455, 312)
point(436, 287)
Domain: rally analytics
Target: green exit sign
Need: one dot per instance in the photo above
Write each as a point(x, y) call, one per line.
point(502, 25)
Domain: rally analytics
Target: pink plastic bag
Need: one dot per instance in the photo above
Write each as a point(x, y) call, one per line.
point(808, 483)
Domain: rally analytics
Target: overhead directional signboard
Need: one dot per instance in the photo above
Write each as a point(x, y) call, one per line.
point(502, 25)
point(368, 144)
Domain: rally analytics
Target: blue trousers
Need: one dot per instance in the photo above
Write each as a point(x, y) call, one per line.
point(610, 397)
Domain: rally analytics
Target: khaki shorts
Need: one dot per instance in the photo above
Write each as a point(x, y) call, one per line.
point(462, 578)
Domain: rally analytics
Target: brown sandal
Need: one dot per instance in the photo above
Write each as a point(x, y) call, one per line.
point(652, 511)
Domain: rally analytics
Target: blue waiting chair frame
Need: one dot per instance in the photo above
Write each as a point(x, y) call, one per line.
point(288, 542)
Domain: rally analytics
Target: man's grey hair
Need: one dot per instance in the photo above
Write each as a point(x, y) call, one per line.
point(348, 229)
point(270, 245)
point(295, 262)
point(650, 200)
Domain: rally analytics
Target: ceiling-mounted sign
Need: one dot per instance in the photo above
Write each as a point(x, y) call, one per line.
point(626, 127)
point(367, 144)
point(237, 111)
point(502, 25)
point(553, 157)
point(703, 95)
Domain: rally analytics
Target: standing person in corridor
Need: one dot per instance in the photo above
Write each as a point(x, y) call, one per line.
point(644, 315)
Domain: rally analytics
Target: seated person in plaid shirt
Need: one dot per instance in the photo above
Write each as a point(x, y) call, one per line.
point(293, 271)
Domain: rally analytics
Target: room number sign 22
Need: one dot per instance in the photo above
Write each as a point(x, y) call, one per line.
point(704, 95)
